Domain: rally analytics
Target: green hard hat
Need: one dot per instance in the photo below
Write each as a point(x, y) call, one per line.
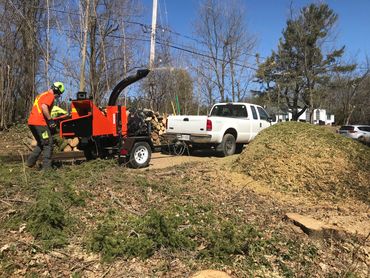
point(59, 86)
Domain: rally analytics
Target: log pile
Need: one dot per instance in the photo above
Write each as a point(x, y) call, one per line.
point(70, 145)
point(60, 145)
point(158, 124)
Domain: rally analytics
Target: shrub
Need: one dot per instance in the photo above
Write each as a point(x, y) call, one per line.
point(47, 219)
point(139, 236)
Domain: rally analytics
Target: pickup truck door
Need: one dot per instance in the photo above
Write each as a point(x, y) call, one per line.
point(232, 116)
point(255, 122)
point(242, 124)
point(264, 118)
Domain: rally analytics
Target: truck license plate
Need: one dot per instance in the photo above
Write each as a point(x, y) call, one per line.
point(184, 137)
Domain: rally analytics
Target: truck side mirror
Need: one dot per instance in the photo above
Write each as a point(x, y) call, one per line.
point(272, 118)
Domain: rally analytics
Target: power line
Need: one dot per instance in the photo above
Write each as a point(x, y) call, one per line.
point(181, 48)
point(146, 28)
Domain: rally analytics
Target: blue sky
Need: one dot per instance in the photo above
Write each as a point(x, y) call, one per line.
point(267, 18)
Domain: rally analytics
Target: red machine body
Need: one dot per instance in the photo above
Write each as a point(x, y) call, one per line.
point(94, 121)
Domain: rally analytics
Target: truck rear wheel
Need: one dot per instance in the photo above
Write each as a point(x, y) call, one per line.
point(239, 148)
point(227, 146)
point(140, 155)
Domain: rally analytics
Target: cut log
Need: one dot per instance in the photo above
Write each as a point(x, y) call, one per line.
point(33, 143)
point(210, 273)
point(68, 148)
point(63, 145)
point(154, 135)
point(74, 142)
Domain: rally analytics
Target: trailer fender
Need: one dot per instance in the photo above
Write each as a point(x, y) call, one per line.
point(130, 141)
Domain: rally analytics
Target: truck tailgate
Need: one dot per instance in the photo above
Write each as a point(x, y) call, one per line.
point(187, 124)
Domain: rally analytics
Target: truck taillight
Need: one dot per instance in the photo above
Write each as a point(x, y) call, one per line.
point(209, 125)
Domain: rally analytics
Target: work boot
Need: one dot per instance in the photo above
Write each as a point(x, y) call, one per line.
point(32, 158)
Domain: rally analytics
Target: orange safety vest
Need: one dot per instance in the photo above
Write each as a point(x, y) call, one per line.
point(37, 117)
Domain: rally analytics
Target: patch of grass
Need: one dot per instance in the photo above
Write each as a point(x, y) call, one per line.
point(230, 240)
point(47, 219)
point(293, 255)
point(164, 230)
point(7, 267)
point(193, 229)
point(139, 236)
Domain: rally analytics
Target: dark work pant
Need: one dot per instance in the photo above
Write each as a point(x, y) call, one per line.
point(44, 140)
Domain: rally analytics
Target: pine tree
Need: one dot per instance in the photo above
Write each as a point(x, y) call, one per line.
point(298, 71)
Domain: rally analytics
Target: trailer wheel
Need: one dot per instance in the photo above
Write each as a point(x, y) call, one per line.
point(140, 155)
point(228, 145)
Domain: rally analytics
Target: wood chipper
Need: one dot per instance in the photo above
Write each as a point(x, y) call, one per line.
point(110, 131)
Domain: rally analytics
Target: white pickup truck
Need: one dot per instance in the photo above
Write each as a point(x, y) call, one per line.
point(227, 128)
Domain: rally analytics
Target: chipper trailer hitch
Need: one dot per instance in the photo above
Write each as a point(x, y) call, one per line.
point(106, 132)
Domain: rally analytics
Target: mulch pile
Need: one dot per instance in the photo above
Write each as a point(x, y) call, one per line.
point(300, 157)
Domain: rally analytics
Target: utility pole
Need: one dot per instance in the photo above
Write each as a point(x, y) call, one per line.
point(84, 48)
point(152, 36)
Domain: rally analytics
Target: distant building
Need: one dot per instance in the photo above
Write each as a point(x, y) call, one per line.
point(320, 116)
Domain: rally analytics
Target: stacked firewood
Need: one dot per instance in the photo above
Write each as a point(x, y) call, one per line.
point(60, 145)
point(158, 124)
point(69, 145)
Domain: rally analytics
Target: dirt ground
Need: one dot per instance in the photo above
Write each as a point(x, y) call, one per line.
point(161, 161)
point(215, 178)
point(351, 215)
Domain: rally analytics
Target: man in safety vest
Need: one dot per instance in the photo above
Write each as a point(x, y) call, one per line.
point(41, 124)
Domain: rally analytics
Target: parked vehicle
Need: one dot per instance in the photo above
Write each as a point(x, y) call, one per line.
point(358, 132)
point(227, 128)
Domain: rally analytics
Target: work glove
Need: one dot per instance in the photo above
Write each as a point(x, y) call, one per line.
point(52, 125)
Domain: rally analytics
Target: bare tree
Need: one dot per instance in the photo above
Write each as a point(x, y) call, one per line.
point(165, 85)
point(223, 33)
point(349, 97)
point(110, 43)
point(22, 28)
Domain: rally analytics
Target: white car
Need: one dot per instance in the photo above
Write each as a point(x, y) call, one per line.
point(358, 132)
